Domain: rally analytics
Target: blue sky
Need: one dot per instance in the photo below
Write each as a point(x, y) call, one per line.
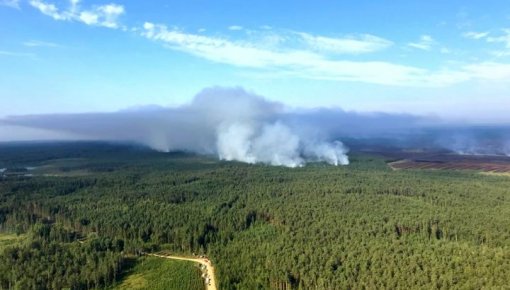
point(449, 58)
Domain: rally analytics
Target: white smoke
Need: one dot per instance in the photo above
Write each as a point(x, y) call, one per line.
point(506, 149)
point(332, 153)
point(271, 143)
point(481, 140)
point(232, 123)
point(237, 125)
point(275, 143)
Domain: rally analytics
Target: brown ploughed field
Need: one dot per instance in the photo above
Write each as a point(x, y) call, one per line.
point(451, 165)
point(486, 163)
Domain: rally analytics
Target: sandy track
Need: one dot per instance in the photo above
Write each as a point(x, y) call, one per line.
point(202, 261)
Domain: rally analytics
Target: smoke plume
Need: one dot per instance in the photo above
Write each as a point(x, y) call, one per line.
point(232, 123)
point(476, 140)
point(238, 125)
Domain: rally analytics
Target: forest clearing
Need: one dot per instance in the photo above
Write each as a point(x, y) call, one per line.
point(207, 269)
point(154, 273)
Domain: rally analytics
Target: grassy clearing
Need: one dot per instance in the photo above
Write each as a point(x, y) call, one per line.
point(158, 273)
point(66, 167)
point(10, 239)
point(504, 174)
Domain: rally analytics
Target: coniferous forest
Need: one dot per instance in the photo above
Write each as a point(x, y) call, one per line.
point(84, 210)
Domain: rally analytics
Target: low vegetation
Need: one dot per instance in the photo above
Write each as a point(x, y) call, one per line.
point(10, 239)
point(162, 274)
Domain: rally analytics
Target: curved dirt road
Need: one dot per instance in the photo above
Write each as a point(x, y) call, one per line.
point(202, 261)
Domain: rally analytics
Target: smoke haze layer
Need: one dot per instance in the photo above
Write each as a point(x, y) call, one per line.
point(238, 125)
point(229, 122)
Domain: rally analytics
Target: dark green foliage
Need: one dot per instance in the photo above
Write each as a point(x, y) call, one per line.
point(316, 227)
point(53, 259)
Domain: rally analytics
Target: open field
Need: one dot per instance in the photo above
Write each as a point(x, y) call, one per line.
point(480, 165)
point(447, 161)
point(206, 266)
point(154, 273)
point(10, 239)
point(503, 174)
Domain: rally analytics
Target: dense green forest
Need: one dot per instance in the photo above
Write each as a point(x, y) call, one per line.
point(84, 207)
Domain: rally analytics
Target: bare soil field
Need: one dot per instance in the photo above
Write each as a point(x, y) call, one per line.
point(451, 165)
point(485, 163)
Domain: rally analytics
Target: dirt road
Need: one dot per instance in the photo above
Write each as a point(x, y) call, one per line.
point(202, 261)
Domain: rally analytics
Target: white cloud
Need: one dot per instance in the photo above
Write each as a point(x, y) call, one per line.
point(16, 54)
point(50, 10)
point(445, 50)
point(235, 28)
point(426, 42)
point(89, 18)
point(109, 14)
point(504, 38)
point(348, 45)
point(10, 3)
point(500, 53)
point(102, 15)
point(489, 71)
point(294, 54)
point(245, 54)
point(475, 35)
point(293, 62)
point(37, 43)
